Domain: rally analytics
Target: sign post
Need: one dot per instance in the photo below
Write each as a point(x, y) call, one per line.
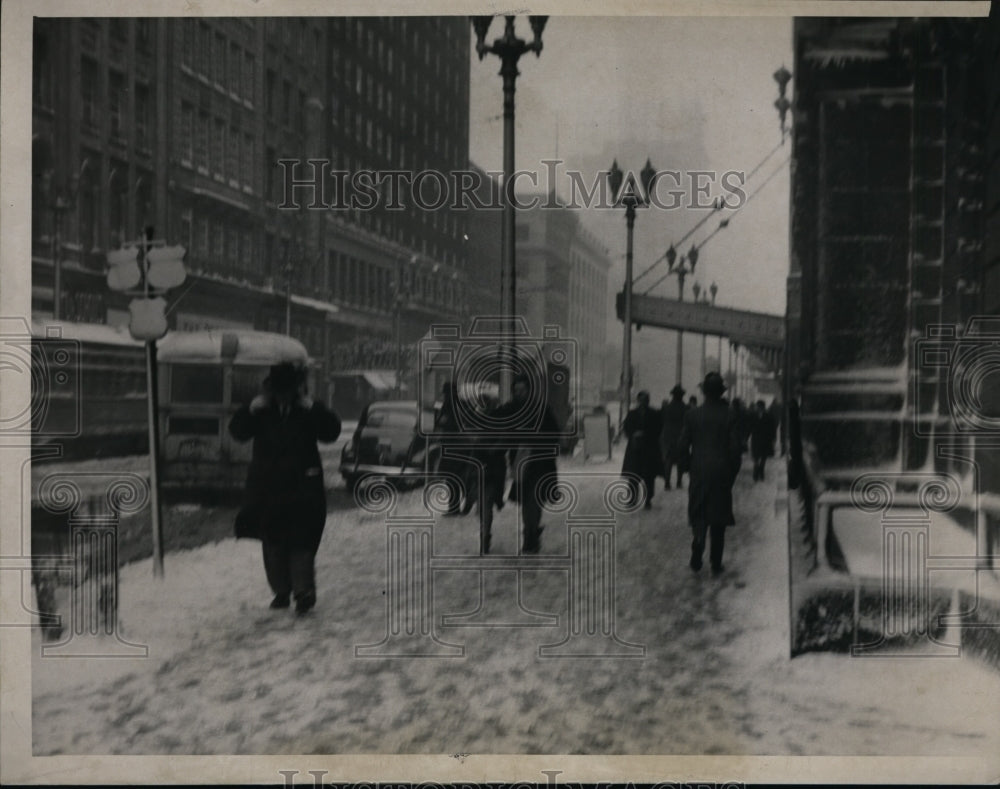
point(162, 268)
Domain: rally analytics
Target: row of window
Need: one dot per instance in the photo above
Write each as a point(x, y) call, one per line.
point(93, 111)
point(212, 146)
point(230, 249)
point(213, 56)
point(368, 37)
point(356, 281)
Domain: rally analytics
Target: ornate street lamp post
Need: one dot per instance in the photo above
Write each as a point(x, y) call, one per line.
point(631, 197)
point(509, 49)
point(714, 289)
point(681, 268)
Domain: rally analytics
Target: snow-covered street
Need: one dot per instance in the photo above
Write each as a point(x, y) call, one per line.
point(226, 675)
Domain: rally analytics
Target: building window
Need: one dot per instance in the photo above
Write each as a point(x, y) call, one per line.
point(186, 139)
point(201, 143)
point(88, 90)
point(143, 34)
point(218, 243)
point(116, 101)
point(188, 31)
point(232, 250)
point(41, 73)
point(219, 74)
point(248, 157)
point(269, 88)
point(203, 52)
point(249, 67)
point(270, 165)
point(235, 69)
point(201, 237)
point(219, 149)
point(233, 154)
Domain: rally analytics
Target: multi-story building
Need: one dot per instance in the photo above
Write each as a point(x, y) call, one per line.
point(893, 312)
point(180, 124)
point(563, 281)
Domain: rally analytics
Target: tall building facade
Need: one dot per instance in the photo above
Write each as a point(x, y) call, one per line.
point(180, 124)
point(563, 281)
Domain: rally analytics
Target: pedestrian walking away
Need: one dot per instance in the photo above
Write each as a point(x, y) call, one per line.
point(643, 456)
point(451, 468)
point(762, 435)
point(285, 500)
point(532, 443)
point(672, 416)
point(711, 440)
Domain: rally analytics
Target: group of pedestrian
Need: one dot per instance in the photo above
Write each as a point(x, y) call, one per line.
point(285, 501)
point(706, 442)
point(511, 442)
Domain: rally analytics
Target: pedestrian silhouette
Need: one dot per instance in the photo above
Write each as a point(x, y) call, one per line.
point(285, 500)
point(710, 440)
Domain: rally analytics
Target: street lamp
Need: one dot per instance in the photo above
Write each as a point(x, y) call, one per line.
point(509, 49)
point(63, 200)
point(631, 198)
point(681, 268)
point(782, 76)
point(714, 289)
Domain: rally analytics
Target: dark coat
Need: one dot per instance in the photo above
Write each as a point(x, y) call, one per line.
point(642, 453)
point(762, 435)
point(541, 445)
point(285, 500)
point(711, 440)
point(672, 416)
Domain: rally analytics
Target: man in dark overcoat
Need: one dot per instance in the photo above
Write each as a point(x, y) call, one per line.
point(672, 416)
point(451, 468)
point(762, 435)
point(532, 442)
point(642, 427)
point(285, 499)
point(711, 440)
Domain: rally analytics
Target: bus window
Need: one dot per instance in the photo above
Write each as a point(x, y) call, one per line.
point(246, 384)
point(195, 383)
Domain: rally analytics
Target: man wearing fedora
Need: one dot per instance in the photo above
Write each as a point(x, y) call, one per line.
point(672, 416)
point(285, 501)
point(710, 439)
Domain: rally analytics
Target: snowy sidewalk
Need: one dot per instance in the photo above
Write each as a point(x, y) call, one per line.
point(227, 675)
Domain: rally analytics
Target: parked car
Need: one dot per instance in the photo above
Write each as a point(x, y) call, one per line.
point(387, 443)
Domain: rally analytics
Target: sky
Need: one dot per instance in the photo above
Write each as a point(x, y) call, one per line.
point(686, 93)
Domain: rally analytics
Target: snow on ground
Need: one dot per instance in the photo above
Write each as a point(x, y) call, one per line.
point(227, 675)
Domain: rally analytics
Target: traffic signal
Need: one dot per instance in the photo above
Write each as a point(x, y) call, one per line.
point(147, 318)
point(165, 267)
point(123, 269)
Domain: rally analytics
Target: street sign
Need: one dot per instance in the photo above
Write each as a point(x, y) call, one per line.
point(147, 318)
point(166, 267)
point(123, 269)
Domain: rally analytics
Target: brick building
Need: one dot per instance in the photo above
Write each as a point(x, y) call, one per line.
point(179, 124)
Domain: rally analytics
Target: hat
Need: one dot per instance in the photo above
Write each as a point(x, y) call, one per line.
point(642, 394)
point(713, 384)
point(284, 377)
point(678, 390)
